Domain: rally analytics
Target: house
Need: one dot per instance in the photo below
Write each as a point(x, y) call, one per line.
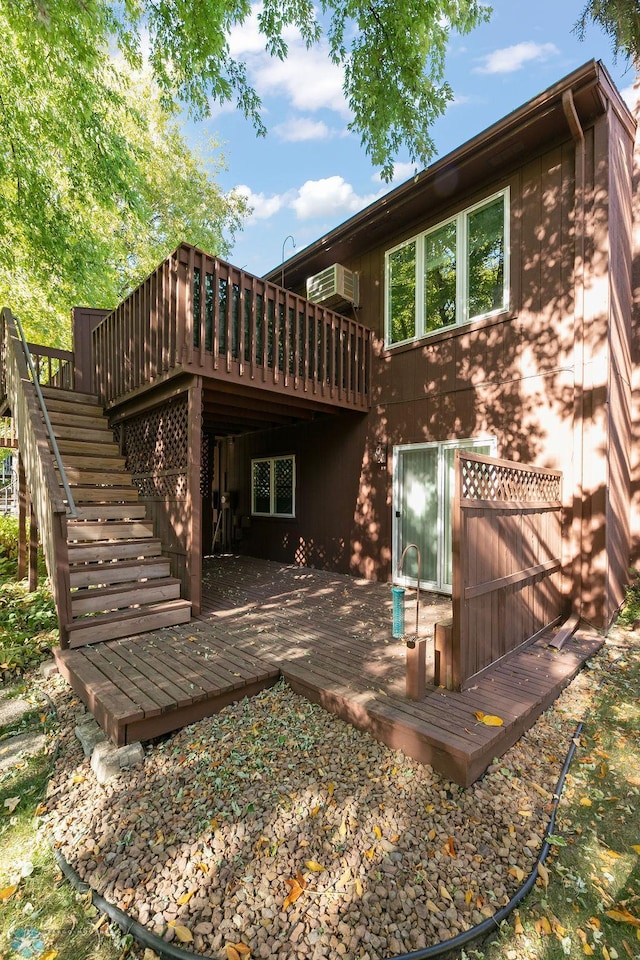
point(444, 392)
point(497, 288)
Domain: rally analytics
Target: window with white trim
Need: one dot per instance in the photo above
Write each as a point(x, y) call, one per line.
point(455, 272)
point(273, 487)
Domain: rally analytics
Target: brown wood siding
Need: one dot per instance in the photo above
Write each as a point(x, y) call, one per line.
point(635, 358)
point(618, 520)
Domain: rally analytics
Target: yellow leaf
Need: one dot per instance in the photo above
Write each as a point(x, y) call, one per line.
point(517, 873)
point(587, 949)
point(622, 915)
point(517, 927)
point(343, 828)
point(315, 811)
point(432, 834)
point(585, 802)
point(8, 892)
point(636, 847)
point(450, 847)
point(314, 866)
point(543, 926)
point(543, 873)
point(370, 854)
point(183, 934)
point(295, 892)
point(78, 778)
point(330, 788)
point(202, 867)
point(232, 953)
point(605, 953)
point(359, 886)
point(185, 898)
point(468, 897)
point(444, 893)
point(378, 832)
point(49, 955)
point(488, 719)
point(431, 906)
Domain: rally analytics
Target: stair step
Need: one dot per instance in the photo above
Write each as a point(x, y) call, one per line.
point(70, 396)
point(84, 477)
point(86, 447)
point(111, 511)
point(107, 464)
point(98, 435)
point(85, 422)
point(127, 623)
point(102, 599)
point(104, 494)
point(119, 571)
point(106, 550)
point(80, 530)
point(66, 405)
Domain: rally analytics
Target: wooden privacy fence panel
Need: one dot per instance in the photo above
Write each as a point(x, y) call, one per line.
point(507, 545)
point(204, 315)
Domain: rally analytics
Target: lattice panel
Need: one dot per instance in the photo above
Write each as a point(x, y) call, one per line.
point(490, 481)
point(157, 440)
point(205, 463)
point(168, 487)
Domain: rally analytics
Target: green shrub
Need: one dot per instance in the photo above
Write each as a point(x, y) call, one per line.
point(631, 608)
point(8, 538)
point(28, 627)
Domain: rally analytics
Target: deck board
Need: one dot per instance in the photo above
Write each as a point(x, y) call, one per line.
point(329, 636)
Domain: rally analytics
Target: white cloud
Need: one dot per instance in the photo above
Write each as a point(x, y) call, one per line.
point(306, 78)
point(510, 59)
point(631, 95)
point(329, 198)
point(303, 128)
point(262, 206)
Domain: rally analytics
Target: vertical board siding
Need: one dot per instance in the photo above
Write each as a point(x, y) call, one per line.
point(507, 520)
point(198, 313)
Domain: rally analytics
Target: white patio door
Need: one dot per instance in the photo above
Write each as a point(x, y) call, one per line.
point(423, 490)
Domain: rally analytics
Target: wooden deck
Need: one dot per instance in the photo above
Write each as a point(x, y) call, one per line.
point(330, 637)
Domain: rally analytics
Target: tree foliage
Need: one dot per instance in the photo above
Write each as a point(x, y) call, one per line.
point(97, 184)
point(620, 21)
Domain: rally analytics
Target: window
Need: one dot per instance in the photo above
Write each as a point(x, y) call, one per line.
point(453, 273)
point(273, 484)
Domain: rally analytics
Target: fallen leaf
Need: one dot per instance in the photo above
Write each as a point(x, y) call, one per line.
point(517, 926)
point(627, 948)
point(444, 893)
point(78, 778)
point(517, 873)
point(314, 866)
point(315, 811)
point(11, 803)
point(202, 867)
point(431, 906)
point(587, 949)
point(622, 915)
point(468, 897)
point(49, 955)
point(378, 832)
point(636, 847)
point(432, 834)
point(585, 802)
point(8, 892)
point(231, 952)
point(359, 886)
point(185, 898)
point(542, 925)
point(296, 891)
point(633, 780)
point(488, 719)
point(369, 854)
point(183, 934)
point(344, 879)
point(330, 788)
point(242, 949)
point(450, 847)
point(543, 873)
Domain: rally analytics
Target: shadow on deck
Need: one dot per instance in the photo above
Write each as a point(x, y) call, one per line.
point(329, 636)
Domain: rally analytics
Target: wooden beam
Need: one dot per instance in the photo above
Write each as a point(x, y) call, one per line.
point(193, 506)
point(33, 551)
point(23, 503)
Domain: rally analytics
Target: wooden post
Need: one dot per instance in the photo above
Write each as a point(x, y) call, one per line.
point(193, 505)
point(416, 669)
point(23, 497)
point(33, 552)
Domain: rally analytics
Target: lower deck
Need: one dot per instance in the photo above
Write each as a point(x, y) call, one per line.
point(329, 636)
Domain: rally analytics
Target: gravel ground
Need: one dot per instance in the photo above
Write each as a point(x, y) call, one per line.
point(276, 828)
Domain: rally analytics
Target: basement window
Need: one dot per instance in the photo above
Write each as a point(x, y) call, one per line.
point(453, 273)
point(273, 484)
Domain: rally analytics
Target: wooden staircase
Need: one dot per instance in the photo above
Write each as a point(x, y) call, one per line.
point(120, 584)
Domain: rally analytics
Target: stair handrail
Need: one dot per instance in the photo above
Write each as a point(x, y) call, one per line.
point(71, 506)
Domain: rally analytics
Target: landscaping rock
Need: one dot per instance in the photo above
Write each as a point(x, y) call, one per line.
point(89, 734)
point(108, 761)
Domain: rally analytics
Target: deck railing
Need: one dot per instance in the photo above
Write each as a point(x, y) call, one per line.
point(507, 559)
point(44, 485)
point(205, 316)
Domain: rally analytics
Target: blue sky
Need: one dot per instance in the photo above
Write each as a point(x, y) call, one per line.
point(309, 174)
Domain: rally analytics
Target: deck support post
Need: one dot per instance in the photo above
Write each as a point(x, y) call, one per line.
point(33, 551)
point(23, 497)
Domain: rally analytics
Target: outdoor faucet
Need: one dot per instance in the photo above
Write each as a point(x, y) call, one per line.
point(413, 546)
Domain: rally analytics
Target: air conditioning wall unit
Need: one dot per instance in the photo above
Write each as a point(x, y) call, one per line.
point(334, 287)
